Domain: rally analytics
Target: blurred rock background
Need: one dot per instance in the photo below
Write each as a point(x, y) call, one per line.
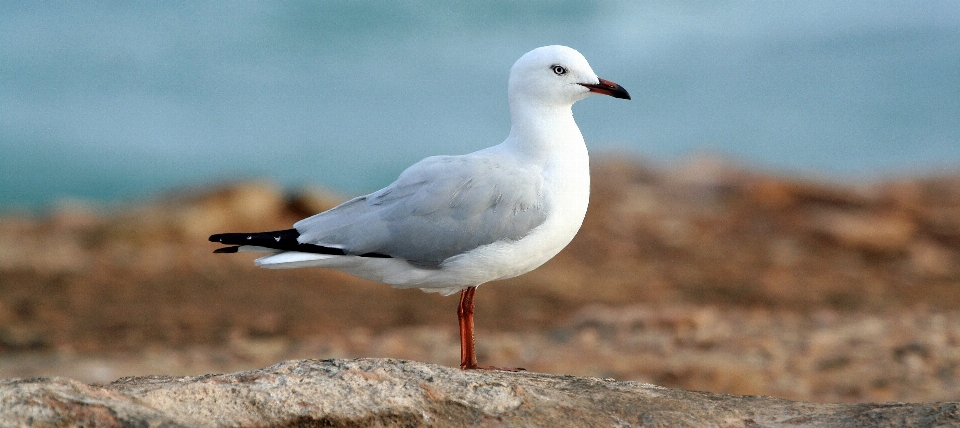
point(700, 274)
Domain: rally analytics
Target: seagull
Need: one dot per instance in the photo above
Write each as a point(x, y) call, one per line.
point(451, 223)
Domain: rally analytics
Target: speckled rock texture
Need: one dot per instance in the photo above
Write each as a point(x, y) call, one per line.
point(397, 393)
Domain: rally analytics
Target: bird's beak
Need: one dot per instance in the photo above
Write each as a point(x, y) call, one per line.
point(607, 87)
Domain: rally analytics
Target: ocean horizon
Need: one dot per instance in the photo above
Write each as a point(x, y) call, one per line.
point(116, 101)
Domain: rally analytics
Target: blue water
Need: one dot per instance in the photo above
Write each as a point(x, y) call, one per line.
point(116, 100)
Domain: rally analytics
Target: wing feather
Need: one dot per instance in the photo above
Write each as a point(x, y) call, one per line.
point(440, 207)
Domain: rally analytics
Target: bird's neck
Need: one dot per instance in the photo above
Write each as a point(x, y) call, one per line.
point(540, 131)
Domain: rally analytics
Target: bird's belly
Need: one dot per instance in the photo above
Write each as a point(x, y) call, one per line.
point(507, 259)
point(502, 260)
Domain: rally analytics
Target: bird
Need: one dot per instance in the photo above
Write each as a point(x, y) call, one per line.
point(450, 223)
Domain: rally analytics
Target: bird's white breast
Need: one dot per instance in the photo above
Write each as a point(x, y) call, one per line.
point(567, 186)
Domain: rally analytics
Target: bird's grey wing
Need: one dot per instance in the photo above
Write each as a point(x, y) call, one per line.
point(440, 207)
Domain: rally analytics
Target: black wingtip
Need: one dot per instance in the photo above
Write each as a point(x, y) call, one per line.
point(283, 240)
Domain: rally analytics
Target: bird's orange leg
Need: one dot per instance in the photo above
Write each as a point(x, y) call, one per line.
point(468, 353)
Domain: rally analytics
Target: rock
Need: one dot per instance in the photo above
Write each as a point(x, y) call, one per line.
point(23, 337)
point(393, 393)
point(932, 260)
point(194, 214)
point(879, 233)
point(76, 214)
point(24, 246)
point(243, 204)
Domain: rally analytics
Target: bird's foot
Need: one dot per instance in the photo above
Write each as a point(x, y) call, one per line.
point(502, 369)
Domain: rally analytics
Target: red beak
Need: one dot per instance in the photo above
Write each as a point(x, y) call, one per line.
point(607, 87)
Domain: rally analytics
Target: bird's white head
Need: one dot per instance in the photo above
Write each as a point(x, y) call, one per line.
point(557, 75)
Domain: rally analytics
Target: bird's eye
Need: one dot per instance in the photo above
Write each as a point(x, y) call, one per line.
point(559, 70)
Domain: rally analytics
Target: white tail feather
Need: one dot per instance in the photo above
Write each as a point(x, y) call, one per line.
point(293, 259)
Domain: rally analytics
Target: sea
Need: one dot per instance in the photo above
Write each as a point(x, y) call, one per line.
point(114, 101)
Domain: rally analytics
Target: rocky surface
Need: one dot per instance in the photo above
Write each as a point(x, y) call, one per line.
point(396, 393)
point(699, 275)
